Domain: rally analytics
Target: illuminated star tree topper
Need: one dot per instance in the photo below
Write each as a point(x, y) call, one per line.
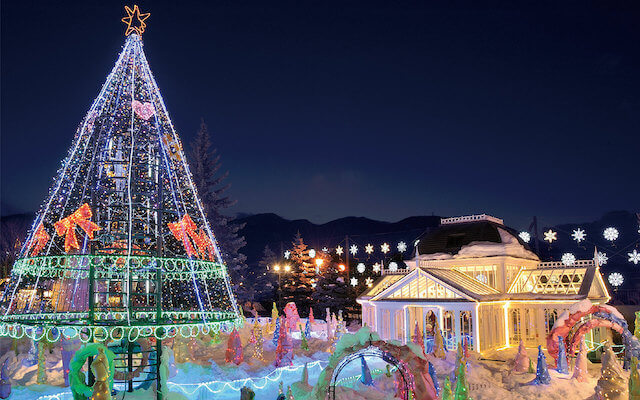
point(135, 20)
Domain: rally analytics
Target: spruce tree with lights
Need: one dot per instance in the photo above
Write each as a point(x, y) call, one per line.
point(297, 287)
point(122, 248)
point(542, 373)
point(276, 332)
point(580, 371)
point(446, 390)
point(438, 343)
point(611, 385)
point(462, 387)
point(434, 377)
point(234, 353)
point(562, 365)
point(304, 344)
point(634, 380)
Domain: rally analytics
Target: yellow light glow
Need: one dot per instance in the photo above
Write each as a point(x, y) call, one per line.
point(139, 18)
point(319, 262)
point(287, 268)
point(342, 267)
point(276, 267)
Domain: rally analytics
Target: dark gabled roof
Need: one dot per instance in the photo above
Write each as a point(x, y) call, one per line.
point(451, 238)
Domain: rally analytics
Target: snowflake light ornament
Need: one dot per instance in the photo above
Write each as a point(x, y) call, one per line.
point(287, 254)
point(393, 266)
point(361, 267)
point(602, 258)
point(376, 267)
point(568, 259)
point(525, 236)
point(616, 279)
point(611, 234)
point(368, 282)
point(353, 249)
point(402, 247)
point(578, 235)
point(325, 250)
point(339, 250)
point(385, 248)
point(550, 236)
point(368, 248)
point(634, 256)
point(312, 253)
point(354, 281)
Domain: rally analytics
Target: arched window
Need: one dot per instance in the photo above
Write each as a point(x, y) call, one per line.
point(449, 325)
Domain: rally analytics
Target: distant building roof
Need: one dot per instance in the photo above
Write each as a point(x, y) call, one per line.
point(455, 233)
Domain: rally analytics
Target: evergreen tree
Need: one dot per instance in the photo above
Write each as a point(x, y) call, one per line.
point(562, 365)
point(234, 353)
point(462, 388)
point(542, 374)
point(365, 373)
point(333, 291)
point(634, 380)
point(611, 385)
point(580, 369)
point(521, 360)
point(297, 286)
point(210, 181)
point(446, 390)
point(434, 377)
point(438, 343)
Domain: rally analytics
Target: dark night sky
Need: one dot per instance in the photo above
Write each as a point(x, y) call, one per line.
point(323, 109)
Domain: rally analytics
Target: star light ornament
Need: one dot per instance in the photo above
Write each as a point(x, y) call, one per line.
point(134, 20)
point(616, 279)
point(361, 267)
point(354, 281)
point(402, 247)
point(568, 259)
point(376, 267)
point(368, 248)
point(287, 254)
point(353, 249)
point(339, 250)
point(611, 234)
point(368, 282)
point(550, 236)
point(578, 235)
point(602, 258)
point(634, 257)
point(385, 248)
point(525, 236)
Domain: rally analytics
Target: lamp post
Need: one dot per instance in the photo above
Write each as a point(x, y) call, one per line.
point(279, 270)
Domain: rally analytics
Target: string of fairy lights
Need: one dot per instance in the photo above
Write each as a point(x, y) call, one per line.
point(371, 258)
point(611, 234)
point(122, 239)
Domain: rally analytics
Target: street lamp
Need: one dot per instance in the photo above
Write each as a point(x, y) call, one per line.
point(279, 270)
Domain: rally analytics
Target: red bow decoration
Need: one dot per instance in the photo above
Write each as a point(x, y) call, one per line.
point(39, 240)
point(67, 226)
point(205, 246)
point(183, 230)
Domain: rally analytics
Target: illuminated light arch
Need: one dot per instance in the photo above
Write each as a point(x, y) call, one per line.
point(411, 366)
point(573, 328)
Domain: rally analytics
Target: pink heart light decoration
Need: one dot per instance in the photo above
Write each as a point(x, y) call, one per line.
point(143, 110)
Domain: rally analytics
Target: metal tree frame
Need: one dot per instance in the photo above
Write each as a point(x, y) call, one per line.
point(121, 250)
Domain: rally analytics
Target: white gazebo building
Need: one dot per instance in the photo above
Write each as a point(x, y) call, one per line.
point(478, 279)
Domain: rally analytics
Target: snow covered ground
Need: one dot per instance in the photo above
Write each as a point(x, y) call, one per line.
point(490, 375)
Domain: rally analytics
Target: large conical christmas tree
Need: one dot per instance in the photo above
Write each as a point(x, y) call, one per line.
point(121, 248)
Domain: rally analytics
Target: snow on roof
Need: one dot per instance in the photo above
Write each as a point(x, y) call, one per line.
point(510, 246)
